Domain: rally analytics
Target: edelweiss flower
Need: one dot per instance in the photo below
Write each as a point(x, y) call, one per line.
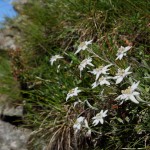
point(85, 62)
point(78, 123)
point(73, 92)
point(54, 58)
point(129, 93)
point(101, 81)
point(122, 52)
point(121, 74)
point(100, 70)
point(83, 46)
point(99, 117)
point(82, 122)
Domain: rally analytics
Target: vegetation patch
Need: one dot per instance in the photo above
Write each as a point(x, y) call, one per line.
point(9, 88)
point(84, 73)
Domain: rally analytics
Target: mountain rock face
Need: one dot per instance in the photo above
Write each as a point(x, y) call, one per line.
point(18, 4)
point(7, 40)
point(10, 33)
point(13, 138)
point(12, 135)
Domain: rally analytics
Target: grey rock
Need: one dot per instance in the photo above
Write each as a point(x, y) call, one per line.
point(9, 110)
point(18, 4)
point(7, 43)
point(13, 138)
point(13, 111)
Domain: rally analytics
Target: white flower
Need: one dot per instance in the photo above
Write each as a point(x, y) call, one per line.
point(83, 46)
point(100, 70)
point(121, 74)
point(85, 62)
point(78, 124)
point(73, 92)
point(129, 93)
point(82, 122)
point(122, 52)
point(99, 117)
point(54, 58)
point(101, 81)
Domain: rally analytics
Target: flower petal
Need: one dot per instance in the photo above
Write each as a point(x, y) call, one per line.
point(132, 98)
point(135, 85)
point(88, 42)
point(119, 80)
point(95, 122)
point(94, 85)
point(78, 50)
point(127, 48)
point(101, 120)
point(136, 93)
point(127, 69)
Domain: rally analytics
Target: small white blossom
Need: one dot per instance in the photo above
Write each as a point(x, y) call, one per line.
point(83, 46)
point(99, 117)
point(101, 81)
point(54, 58)
point(122, 52)
point(77, 125)
point(73, 92)
point(129, 93)
point(82, 122)
point(121, 74)
point(85, 62)
point(100, 70)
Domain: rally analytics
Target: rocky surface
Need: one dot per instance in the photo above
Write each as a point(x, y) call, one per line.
point(7, 110)
point(6, 42)
point(7, 38)
point(13, 138)
point(12, 135)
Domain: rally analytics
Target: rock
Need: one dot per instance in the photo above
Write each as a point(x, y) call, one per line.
point(18, 4)
point(7, 40)
point(7, 109)
point(13, 138)
point(3, 98)
point(13, 111)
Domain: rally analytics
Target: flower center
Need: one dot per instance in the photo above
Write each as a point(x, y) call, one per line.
point(72, 91)
point(120, 50)
point(99, 68)
point(82, 44)
point(120, 72)
point(101, 79)
point(98, 116)
point(84, 61)
point(127, 91)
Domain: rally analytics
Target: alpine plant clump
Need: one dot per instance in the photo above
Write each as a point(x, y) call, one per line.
point(106, 76)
